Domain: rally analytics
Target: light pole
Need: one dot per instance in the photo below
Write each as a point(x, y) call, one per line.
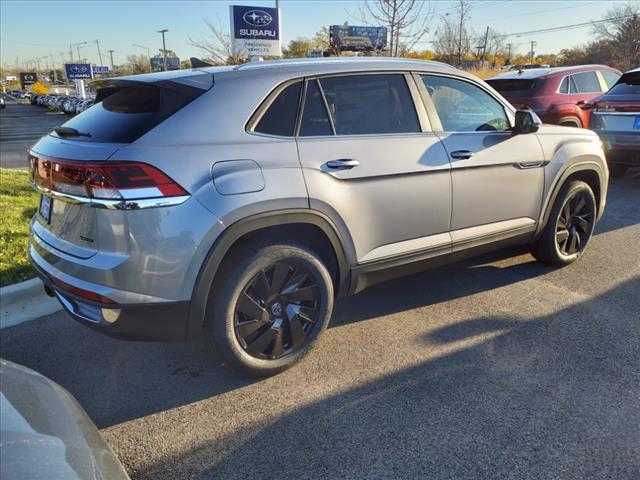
point(99, 53)
point(111, 56)
point(164, 48)
point(77, 45)
point(145, 48)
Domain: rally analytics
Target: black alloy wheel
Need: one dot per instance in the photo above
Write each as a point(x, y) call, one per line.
point(575, 224)
point(277, 311)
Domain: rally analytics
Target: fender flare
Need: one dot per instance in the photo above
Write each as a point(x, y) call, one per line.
point(561, 180)
point(217, 253)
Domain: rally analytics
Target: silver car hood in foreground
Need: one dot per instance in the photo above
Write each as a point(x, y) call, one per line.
point(45, 434)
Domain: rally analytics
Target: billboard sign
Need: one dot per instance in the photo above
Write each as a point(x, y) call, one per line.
point(11, 78)
point(78, 71)
point(173, 63)
point(255, 31)
point(353, 39)
point(101, 69)
point(28, 78)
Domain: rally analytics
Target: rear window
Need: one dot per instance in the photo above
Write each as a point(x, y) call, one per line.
point(513, 85)
point(127, 113)
point(628, 83)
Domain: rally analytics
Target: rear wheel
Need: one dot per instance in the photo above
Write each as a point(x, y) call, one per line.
point(270, 307)
point(569, 227)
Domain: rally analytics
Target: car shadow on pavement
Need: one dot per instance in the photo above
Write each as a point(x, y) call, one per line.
point(116, 380)
point(553, 396)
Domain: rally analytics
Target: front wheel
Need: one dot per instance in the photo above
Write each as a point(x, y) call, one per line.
point(273, 303)
point(569, 227)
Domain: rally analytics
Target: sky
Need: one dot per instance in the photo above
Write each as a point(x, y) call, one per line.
point(31, 29)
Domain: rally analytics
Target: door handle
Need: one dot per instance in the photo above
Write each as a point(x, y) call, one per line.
point(462, 154)
point(342, 164)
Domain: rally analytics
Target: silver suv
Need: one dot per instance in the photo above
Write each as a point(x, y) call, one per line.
point(237, 203)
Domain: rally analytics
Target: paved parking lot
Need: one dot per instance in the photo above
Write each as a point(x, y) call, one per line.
point(493, 368)
point(21, 125)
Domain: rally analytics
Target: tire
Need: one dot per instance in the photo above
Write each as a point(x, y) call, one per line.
point(616, 170)
point(269, 308)
point(572, 219)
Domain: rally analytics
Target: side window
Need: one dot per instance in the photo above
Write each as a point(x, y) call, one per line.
point(587, 82)
point(463, 107)
point(564, 86)
point(315, 120)
point(369, 104)
point(280, 117)
point(610, 78)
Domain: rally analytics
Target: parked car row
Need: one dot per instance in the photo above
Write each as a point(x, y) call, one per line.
point(69, 105)
point(589, 96)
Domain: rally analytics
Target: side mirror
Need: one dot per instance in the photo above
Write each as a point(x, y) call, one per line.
point(526, 122)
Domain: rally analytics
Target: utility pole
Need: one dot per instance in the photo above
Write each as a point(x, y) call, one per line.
point(532, 53)
point(164, 48)
point(111, 55)
point(509, 45)
point(484, 47)
point(99, 54)
point(55, 70)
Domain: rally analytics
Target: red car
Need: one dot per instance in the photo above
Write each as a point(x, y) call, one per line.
point(615, 116)
point(556, 94)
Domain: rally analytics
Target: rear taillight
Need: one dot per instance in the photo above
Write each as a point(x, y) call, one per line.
point(603, 108)
point(103, 180)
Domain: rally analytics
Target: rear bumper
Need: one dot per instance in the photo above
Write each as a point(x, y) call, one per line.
point(161, 321)
point(621, 147)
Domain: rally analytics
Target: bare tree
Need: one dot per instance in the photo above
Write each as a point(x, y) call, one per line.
point(218, 47)
point(622, 34)
point(407, 21)
point(453, 36)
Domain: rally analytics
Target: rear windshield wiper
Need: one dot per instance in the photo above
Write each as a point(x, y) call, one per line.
point(70, 132)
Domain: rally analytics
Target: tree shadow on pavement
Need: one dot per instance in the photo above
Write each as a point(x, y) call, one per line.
point(557, 396)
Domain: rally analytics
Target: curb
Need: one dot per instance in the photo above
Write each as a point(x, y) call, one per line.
point(25, 301)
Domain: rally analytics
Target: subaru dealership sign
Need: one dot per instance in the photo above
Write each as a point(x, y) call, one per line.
point(28, 78)
point(78, 71)
point(255, 31)
point(101, 69)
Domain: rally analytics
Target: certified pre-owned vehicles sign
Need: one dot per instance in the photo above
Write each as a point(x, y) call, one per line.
point(78, 71)
point(255, 31)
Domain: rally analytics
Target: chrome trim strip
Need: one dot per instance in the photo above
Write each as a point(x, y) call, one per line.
point(528, 165)
point(115, 204)
point(634, 114)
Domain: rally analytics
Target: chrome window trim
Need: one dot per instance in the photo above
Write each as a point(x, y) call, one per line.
point(119, 204)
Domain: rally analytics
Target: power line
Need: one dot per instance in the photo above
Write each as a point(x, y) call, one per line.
point(566, 27)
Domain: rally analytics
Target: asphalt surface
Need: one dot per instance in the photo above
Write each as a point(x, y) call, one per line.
point(494, 368)
point(21, 125)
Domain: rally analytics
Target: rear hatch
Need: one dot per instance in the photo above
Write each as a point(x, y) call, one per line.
point(618, 110)
point(519, 91)
point(71, 165)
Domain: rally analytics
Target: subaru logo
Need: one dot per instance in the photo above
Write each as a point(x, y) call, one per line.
point(78, 69)
point(257, 18)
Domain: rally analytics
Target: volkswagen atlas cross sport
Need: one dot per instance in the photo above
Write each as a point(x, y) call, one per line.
point(237, 203)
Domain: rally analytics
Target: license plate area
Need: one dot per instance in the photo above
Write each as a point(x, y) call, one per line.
point(46, 206)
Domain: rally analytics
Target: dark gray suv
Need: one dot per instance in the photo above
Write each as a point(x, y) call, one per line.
point(238, 202)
